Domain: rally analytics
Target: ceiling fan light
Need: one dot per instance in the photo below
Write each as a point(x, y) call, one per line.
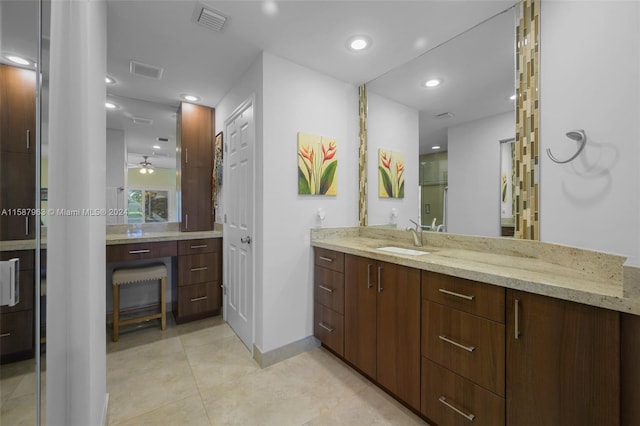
point(150, 171)
point(143, 170)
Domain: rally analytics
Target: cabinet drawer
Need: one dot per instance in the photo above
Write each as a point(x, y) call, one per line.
point(205, 245)
point(329, 289)
point(471, 346)
point(16, 332)
point(27, 258)
point(26, 293)
point(480, 299)
point(448, 399)
point(198, 298)
point(198, 268)
point(329, 259)
point(139, 251)
point(328, 327)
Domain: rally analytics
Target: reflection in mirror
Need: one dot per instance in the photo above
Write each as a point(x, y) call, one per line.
point(141, 159)
point(507, 176)
point(462, 118)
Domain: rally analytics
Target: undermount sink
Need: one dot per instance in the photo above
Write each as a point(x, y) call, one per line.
point(402, 250)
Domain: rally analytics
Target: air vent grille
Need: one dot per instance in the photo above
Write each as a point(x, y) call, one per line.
point(145, 70)
point(142, 120)
point(209, 18)
point(162, 139)
point(445, 115)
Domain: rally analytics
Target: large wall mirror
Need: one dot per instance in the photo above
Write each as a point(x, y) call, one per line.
point(464, 91)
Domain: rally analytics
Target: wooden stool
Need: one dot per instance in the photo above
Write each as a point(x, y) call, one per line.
point(132, 275)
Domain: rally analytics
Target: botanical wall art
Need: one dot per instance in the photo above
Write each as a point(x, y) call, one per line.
point(317, 164)
point(216, 176)
point(390, 174)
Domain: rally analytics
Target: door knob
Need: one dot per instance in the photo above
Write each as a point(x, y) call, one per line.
point(246, 240)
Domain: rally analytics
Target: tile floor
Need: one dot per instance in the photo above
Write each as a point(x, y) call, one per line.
point(200, 373)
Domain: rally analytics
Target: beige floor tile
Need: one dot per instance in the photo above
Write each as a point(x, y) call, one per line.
point(204, 336)
point(18, 411)
point(188, 411)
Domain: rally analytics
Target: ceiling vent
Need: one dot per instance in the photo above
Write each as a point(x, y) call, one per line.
point(141, 120)
point(209, 18)
point(445, 115)
point(162, 139)
point(145, 70)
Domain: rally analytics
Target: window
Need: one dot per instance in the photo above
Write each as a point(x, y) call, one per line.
point(148, 205)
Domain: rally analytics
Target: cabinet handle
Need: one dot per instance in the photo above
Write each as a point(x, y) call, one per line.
point(186, 155)
point(139, 251)
point(469, 417)
point(451, 293)
point(200, 246)
point(369, 285)
point(195, 299)
point(460, 345)
point(516, 309)
point(327, 289)
point(28, 139)
point(321, 324)
point(202, 268)
point(186, 221)
point(326, 259)
point(380, 268)
point(26, 225)
point(5, 334)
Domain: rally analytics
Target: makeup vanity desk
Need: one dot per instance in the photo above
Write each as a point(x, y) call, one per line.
point(197, 272)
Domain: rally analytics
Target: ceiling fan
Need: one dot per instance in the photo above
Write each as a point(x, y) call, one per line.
point(146, 166)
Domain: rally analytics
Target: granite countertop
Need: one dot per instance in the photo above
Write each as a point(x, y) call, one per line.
point(562, 272)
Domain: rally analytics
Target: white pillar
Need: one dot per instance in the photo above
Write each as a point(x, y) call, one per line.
point(76, 353)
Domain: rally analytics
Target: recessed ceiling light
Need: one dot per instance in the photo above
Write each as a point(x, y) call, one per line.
point(110, 105)
point(435, 147)
point(109, 80)
point(190, 98)
point(156, 147)
point(359, 43)
point(18, 60)
point(433, 82)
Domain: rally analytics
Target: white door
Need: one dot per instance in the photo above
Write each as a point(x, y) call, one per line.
point(238, 206)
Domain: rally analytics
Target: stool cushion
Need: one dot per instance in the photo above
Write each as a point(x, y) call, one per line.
point(137, 274)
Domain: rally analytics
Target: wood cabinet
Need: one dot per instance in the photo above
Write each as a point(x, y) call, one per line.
point(16, 322)
point(328, 312)
point(17, 153)
point(194, 139)
point(463, 349)
point(198, 288)
point(382, 324)
point(563, 362)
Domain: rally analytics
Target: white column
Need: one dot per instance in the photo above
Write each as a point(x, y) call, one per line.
point(76, 353)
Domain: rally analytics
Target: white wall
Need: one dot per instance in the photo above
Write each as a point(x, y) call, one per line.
point(589, 79)
point(473, 205)
point(298, 99)
point(392, 126)
point(76, 338)
point(116, 172)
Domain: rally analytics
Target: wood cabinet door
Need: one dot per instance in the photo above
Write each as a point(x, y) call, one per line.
point(196, 135)
point(360, 289)
point(17, 196)
point(398, 331)
point(18, 110)
point(563, 362)
point(196, 200)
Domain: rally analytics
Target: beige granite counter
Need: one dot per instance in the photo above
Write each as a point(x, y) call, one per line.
point(558, 271)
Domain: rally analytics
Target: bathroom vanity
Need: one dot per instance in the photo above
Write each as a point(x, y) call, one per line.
point(482, 330)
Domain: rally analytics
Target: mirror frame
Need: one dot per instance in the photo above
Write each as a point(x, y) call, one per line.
point(527, 128)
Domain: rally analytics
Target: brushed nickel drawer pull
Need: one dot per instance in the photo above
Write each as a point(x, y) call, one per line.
point(200, 246)
point(195, 299)
point(466, 348)
point(469, 417)
point(327, 289)
point(28, 139)
point(380, 268)
point(321, 324)
point(202, 268)
point(26, 225)
point(5, 334)
point(326, 259)
point(139, 251)
point(451, 293)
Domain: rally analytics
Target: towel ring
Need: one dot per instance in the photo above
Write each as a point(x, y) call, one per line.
point(576, 135)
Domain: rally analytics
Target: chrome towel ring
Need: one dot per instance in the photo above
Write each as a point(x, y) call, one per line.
point(576, 135)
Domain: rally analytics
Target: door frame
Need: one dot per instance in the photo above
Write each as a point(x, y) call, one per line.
point(250, 101)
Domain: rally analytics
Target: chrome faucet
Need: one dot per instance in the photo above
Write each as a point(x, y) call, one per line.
point(417, 234)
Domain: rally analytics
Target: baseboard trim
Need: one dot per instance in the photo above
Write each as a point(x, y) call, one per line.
point(105, 411)
point(284, 352)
